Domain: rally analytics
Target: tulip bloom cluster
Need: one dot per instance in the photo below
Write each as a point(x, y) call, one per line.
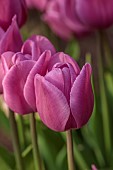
point(67, 17)
point(39, 79)
point(36, 78)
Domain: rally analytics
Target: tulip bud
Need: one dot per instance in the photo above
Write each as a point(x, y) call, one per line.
point(95, 13)
point(64, 96)
point(78, 17)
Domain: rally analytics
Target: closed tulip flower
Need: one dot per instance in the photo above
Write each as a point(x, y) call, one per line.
point(64, 97)
point(9, 8)
point(96, 14)
point(18, 69)
point(79, 17)
point(63, 15)
point(10, 40)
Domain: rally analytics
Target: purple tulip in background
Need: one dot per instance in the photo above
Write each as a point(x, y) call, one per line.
point(95, 13)
point(20, 71)
point(64, 97)
point(38, 4)
point(10, 40)
point(68, 17)
point(63, 15)
point(9, 8)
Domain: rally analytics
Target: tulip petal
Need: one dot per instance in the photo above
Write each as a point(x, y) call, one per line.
point(71, 123)
point(17, 57)
point(31, 48)
point(67, 82)
point(40, 67)
point(51, 104)
point(11, 40)
point(55, 77)
point(13, 85)
point(1, 32)
point(36, 45)
point(10, 58)
point(62, 76)
point(81, 97)
point(6, 59)
point(72, 73)
point(1, 76)
point(43, 43)
point(5, 64)
point(61, 57)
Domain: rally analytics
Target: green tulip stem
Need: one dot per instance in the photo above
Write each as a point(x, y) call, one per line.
point(21, 129)
point(15, 140)
point(104, 104)
point(70, 155)
point(36, 153)
point(107, 52)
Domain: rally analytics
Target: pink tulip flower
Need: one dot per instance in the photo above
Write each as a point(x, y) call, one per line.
point(95, 13)
point(93, 167)
point(10, 40)
point(63, 15)
point(40, 5)
point(69, 17)
point(64, 97)
point(19, 68)
point(9, 8)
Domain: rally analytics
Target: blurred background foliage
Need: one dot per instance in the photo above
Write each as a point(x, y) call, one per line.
point(93, 144)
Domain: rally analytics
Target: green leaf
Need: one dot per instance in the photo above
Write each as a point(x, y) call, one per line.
point(4, 121)
point(7, 157)
point(4, 165)
point(28, 158)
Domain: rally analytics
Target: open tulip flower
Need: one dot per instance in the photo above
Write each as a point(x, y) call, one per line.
point(64, 97)
point(78, 17)
point(19, 70)
point(9, 8)
point(10, 40)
